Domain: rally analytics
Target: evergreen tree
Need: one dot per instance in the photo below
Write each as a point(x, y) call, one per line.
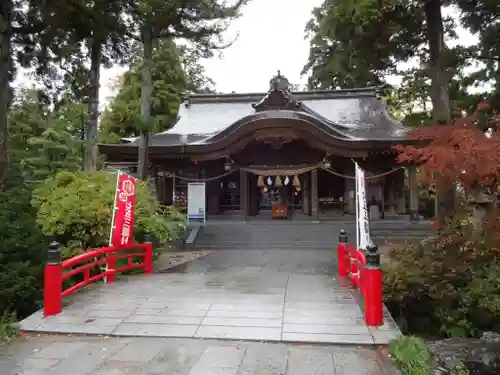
point(40, 141)
point(175, 71)
point(201, 23)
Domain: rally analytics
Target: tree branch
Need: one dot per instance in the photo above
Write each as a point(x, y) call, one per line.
point(491, 58)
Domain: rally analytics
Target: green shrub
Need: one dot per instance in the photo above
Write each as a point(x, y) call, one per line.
point(22, 252)
point(452, 279)
point(8, 327)
point(410, 355)
point(76, 209)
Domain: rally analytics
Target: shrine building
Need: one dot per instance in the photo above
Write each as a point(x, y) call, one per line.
point(279, 153)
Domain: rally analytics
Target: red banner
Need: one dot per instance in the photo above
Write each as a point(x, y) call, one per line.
point(123, 214)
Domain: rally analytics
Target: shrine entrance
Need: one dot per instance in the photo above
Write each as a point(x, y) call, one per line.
point(278, 196)
point(280, 191)
point(291, 192)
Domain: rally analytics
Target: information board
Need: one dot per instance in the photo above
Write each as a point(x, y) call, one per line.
point(196, 202)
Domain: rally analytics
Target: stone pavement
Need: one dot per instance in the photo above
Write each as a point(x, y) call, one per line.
point(78, 355)
point(275, 295)
point(171, 259)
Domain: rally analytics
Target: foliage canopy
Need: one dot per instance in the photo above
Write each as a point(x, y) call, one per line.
point(76, 209)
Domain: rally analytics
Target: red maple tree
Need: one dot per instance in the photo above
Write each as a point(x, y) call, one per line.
point(459, 153)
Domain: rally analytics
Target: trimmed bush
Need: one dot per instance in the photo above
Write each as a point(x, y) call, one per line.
point(75, 208)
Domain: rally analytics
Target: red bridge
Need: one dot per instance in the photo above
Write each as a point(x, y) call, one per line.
point(274, 294)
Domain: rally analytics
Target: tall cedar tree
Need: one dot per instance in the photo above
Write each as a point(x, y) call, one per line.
point(48, 33)
point(199, 22)
point(20, 21)
point(359, 43)
point(6, 10)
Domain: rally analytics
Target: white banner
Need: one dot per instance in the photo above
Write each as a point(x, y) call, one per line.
point(362, 219)
point(196, 201)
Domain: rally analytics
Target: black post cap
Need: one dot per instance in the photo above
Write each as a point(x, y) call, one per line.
point(343, 236)
point(54, 253)
point(372, 256)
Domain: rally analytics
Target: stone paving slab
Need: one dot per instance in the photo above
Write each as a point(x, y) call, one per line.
point(261, 302)
point(171, 259)
point(79, 355)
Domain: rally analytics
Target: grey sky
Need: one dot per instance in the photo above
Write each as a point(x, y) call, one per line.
point(270, 37)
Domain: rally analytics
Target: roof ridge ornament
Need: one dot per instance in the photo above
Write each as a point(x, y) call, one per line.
point(279, 82)
point(279, 96)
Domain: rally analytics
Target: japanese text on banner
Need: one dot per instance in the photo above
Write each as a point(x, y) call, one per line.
point(362, 220)
point(123, 219)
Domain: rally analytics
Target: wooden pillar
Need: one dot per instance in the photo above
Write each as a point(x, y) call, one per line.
point(213, 197)
point(213, 189)
point(314, 195)
point(306, 197)
point(154, 186)
point(391, 188)
point(174, 187)
point(168, 189)
point(160, 189)
point(400, 192)
point(255, 195)
point(414, 193)
point(244, 194)
point(382, 197)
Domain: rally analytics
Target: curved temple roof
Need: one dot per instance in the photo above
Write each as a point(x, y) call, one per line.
point(352, 115)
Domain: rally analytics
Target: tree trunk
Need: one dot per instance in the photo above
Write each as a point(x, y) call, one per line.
point(90, 161)
point(146, 98)
point(5, 65)
point(440, 95)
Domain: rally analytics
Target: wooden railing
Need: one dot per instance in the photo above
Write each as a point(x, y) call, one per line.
point(362, 267)
point(87, 268)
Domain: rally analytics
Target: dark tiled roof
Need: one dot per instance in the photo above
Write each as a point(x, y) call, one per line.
point(357, 114)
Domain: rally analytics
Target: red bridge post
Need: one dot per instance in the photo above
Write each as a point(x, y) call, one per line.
point(372, 280)
point(342, 261)
point(52, 298)
point(111, 265)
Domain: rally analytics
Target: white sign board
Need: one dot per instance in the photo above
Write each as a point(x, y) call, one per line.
point(196, 202)
point(362, 220)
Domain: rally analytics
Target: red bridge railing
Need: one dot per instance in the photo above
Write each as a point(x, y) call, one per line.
point(362, 267)
point(91, 266)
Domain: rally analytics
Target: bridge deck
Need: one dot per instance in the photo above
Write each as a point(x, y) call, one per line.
point(263, 295)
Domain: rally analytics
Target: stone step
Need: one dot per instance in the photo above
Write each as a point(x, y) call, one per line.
point(294, 235)
point(229, 232)
point(251, 234)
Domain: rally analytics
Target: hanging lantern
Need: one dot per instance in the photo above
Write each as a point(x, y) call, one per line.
point(296, 182)
point(260, 182)
point(269, 181)
point(298, 188)
point(287, 181)
point(278, 182)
